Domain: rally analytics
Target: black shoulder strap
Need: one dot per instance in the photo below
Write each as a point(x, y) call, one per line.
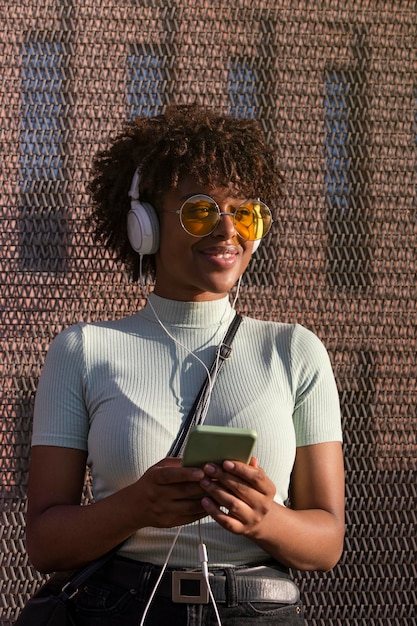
point(196, 413)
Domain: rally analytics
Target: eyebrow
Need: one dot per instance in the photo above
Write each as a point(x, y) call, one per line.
point(190, 195)
point(207, 195)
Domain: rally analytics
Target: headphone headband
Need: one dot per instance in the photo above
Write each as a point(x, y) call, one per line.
point(134, 186)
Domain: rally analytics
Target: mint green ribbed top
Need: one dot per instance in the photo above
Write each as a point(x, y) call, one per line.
point(120, 389)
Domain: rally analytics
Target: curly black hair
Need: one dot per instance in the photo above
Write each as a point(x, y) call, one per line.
point(214, 149)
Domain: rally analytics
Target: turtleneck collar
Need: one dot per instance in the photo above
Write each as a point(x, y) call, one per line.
point(187, 314)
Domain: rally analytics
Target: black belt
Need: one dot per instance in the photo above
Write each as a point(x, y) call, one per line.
point(262, 583)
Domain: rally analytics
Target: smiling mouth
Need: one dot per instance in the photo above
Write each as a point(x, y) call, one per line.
point(221, 253)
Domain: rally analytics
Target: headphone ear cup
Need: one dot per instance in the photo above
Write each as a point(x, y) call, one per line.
point(256, 245)
point(143, 228)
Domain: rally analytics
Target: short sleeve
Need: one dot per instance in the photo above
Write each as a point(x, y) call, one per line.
point(60, 417)
point(317, 409)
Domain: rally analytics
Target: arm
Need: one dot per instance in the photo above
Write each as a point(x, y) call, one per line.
point(61, 534)
point(310, 535)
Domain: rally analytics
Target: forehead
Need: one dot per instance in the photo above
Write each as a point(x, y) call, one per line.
point(188, 186)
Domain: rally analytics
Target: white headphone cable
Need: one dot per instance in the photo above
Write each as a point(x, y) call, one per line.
point(210, 377)
point(202, 550)
point(165, 565)
point(203, 557)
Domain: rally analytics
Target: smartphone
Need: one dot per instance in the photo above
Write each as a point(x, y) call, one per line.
point(215, 444)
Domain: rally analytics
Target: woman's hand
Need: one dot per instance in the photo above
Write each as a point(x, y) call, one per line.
point(245, 491)
point(169, 495)
point(309, 536)
point(61, 534)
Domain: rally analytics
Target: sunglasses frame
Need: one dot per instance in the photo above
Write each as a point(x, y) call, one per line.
point(220, 213)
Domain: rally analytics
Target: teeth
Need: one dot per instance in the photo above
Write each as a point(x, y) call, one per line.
point(226, 255)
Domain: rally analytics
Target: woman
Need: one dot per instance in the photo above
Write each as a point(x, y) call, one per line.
point(114, 394)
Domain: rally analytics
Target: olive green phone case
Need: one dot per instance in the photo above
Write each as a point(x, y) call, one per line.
point(215, 444)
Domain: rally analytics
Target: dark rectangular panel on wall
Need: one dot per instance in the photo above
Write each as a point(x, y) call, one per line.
point(43, 122)
point(147, 80)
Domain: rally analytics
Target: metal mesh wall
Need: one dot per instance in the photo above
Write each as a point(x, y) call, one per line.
point(334, 84)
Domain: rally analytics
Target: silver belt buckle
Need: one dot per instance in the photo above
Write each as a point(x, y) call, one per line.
point(183, 595)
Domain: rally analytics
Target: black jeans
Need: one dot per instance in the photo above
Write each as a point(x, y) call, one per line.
point(120, 598)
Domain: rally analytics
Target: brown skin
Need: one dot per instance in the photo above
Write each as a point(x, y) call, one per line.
point(307, 537)
point(63, 535)
point(184, 268)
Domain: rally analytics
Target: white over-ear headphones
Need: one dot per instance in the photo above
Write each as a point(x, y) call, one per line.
point(143, 223)
point(256, 244)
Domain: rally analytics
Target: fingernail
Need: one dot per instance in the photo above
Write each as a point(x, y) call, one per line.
point(209, 469)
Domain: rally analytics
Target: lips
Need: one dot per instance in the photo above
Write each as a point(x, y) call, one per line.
point(221, 257)
point(221, 252)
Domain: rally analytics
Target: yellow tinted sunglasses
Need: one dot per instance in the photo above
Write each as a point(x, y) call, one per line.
point(200, 215)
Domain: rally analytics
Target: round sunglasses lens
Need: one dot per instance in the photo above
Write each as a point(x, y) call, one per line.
point(253, 220)
point(199, 216)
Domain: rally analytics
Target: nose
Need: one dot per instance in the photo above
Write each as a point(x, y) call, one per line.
point(226, 226)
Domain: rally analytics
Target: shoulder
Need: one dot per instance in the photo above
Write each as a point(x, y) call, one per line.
point(301, 348)
point(267, 328)
point(77, 331)
point(71, 341)
point(68, 340)
point(307, 346)
point(295, 337)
